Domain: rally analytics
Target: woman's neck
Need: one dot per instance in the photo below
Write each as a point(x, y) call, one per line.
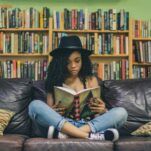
point(75, 83)
point(72, 79)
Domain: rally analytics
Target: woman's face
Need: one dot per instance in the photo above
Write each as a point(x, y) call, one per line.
point(74, 63)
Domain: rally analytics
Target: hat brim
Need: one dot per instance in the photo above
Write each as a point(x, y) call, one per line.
point(59, 51)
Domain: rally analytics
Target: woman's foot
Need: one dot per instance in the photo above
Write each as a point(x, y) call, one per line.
point(52, 133)
point(109, 134)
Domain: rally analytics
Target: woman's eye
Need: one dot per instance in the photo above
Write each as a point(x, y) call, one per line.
point(77, 61)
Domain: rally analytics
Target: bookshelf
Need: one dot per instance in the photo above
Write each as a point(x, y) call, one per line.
point(24, 45)
point(117, 62)
point(141, 44)
point(116, 57)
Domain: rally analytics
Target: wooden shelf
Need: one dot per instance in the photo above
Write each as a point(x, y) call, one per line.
point(23, 29)
point(141, 64)
point(90, 31)
point(24, 55)
point(109, 55)
point(143, 39)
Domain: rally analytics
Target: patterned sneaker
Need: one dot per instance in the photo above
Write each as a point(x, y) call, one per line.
point(51, 131)
point(96, 136)
point(109, 134)
point(62, 135)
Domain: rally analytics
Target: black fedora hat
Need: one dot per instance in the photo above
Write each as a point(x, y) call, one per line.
point(68, 44)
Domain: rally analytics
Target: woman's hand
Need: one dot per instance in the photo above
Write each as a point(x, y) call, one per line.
point(60, 110)
point(97, 105)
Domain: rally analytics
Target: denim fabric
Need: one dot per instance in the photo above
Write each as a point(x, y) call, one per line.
point(45, 116)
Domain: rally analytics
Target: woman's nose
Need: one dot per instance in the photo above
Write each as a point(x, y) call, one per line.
point(73, 64)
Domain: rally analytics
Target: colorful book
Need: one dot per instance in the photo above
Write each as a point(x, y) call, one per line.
point(67, 97)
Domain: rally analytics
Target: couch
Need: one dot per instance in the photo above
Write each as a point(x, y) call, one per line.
point(22, 134)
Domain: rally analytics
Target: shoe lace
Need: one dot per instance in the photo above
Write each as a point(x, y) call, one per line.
point(97, 136)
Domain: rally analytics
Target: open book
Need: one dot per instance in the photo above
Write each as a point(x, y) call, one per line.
point(66, 96)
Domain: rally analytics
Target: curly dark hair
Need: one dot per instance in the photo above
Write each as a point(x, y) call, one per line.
point(57, 71)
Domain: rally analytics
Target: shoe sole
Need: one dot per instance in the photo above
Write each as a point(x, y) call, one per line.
point(111, 134)
point(50, 132)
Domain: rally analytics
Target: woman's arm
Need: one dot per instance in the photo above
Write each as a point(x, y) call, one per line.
point(92, 82)
point(96, 104)
point(50, 100)
point(51, 103)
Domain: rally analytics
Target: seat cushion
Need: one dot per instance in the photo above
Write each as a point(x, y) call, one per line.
point(133, 144)
point(12, 142)
point(15, 95)
point(42, 144)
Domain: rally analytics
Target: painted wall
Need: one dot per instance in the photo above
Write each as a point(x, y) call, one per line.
point(140, 9)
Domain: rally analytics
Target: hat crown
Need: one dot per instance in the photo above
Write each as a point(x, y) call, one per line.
point(70, 42)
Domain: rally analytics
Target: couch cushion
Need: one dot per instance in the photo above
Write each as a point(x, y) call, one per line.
point(133, 144)
point(39, 91)
point(12, 142)
point(15, 95)
point(133, 95)
point(42, 144)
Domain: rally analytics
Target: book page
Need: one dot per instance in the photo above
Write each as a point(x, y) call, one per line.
point(65, 97)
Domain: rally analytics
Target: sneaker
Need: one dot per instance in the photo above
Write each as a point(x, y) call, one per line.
point(62, 135)
point(96, 136)
point(51, 131)
point(109, 134)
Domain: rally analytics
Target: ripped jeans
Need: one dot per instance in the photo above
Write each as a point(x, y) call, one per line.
point(44, 116)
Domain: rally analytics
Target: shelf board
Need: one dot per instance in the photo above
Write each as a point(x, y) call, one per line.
point(23, 29)
point(109, 55)
point(90, 31)
point(141, 64)
point(145, 39)
point(23, 55)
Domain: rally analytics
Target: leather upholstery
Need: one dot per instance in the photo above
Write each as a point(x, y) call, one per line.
point(12, 142)
point(133, 144)
point(39, 91)
point(133, 95)
point(41, 144)
point(15, 95)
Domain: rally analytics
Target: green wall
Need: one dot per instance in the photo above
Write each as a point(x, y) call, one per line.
point(139, 9)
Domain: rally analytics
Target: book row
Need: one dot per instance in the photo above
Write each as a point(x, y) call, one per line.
point(115, 70)
point(141, 72)
point(24, 42)
point(35, 70)
point(83, 19)
point(108, 43)
point(26, 18)
point(142, 51)
point(142, 28)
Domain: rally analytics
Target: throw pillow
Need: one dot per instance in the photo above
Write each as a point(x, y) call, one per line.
point(5, 117)
point(144, 130)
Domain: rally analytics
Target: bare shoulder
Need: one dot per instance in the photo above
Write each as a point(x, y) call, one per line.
point(92, 82)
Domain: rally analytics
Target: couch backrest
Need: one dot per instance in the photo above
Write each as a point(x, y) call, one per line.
point(15, 95)
point(39, 93)
point(134, 95)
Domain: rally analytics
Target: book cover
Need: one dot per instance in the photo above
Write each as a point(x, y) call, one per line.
point(65, 98)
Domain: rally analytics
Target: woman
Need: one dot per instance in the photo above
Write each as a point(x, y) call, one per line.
point(72, 67)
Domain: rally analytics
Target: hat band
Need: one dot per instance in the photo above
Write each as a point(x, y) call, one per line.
point(71, 47)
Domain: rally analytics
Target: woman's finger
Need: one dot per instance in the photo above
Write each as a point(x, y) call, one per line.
point(97, 105)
